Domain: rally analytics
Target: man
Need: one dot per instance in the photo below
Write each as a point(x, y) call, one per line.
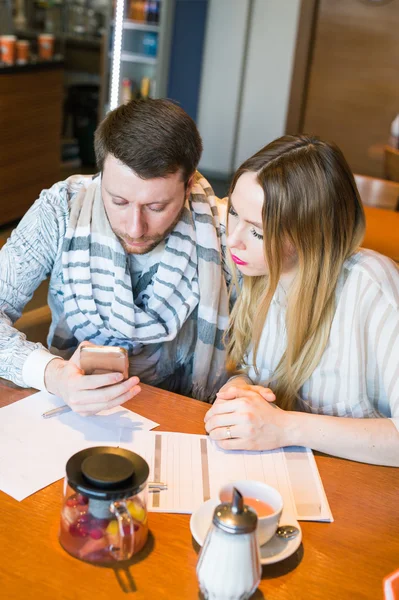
point(134, 260)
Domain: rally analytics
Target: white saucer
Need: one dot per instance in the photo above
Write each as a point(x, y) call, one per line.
point(275, 550)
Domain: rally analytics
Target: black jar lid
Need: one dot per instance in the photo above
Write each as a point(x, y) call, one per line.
point(107, 473)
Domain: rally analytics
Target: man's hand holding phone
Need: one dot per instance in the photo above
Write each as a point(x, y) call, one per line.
point(90, 394)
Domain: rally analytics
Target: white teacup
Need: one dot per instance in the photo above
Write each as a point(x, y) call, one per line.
point(258, 494)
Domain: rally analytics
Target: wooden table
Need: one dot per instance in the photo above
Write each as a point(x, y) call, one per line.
point(346, 559)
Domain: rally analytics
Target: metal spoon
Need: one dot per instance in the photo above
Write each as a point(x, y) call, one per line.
point(288, 532)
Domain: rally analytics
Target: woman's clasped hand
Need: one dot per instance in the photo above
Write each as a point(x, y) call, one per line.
point(245, 417)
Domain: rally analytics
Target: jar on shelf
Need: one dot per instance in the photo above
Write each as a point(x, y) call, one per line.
point(137, 10)
point(150, 43)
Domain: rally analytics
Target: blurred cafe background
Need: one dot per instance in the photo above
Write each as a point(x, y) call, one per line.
point(247, 71)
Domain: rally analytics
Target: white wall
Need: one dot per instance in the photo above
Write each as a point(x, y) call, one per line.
point(244, 106)
point(268, 72)
point(221, 81)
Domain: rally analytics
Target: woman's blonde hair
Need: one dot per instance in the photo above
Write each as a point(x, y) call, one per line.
point(311, 202)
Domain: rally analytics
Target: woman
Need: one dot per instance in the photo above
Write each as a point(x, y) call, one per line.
point(316, 318)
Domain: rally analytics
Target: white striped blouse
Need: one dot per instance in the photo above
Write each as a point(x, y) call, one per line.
point(358, 374)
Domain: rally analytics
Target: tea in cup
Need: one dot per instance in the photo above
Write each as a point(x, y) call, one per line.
point(265, 500)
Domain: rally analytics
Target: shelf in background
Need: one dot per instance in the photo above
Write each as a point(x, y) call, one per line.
point(137, 26)
point(37, 65)
point(136, 58)
point(75, 39)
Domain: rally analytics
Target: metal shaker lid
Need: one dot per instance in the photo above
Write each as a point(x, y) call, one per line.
point(234, 517)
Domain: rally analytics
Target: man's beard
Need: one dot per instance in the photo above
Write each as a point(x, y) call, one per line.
point(153, 241)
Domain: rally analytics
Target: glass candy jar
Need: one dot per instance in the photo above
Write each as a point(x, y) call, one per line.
point(104, 512)
point(229, 564)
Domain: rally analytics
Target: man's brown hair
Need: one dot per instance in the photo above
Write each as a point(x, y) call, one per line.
point(154, 138)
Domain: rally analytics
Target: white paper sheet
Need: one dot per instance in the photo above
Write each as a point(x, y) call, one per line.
point(34, 450)
point(195, 469)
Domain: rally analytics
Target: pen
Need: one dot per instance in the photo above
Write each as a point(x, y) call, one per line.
point(56, 411)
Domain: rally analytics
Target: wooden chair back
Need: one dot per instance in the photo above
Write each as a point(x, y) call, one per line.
point(382, 232)
point(391, 163)
point(378, 192)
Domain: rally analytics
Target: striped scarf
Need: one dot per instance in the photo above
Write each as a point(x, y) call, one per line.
point(183, 309)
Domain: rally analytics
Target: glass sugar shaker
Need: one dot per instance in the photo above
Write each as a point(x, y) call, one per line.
point(229, 564)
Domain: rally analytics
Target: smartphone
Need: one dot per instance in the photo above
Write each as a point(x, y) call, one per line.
point(104, 359)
